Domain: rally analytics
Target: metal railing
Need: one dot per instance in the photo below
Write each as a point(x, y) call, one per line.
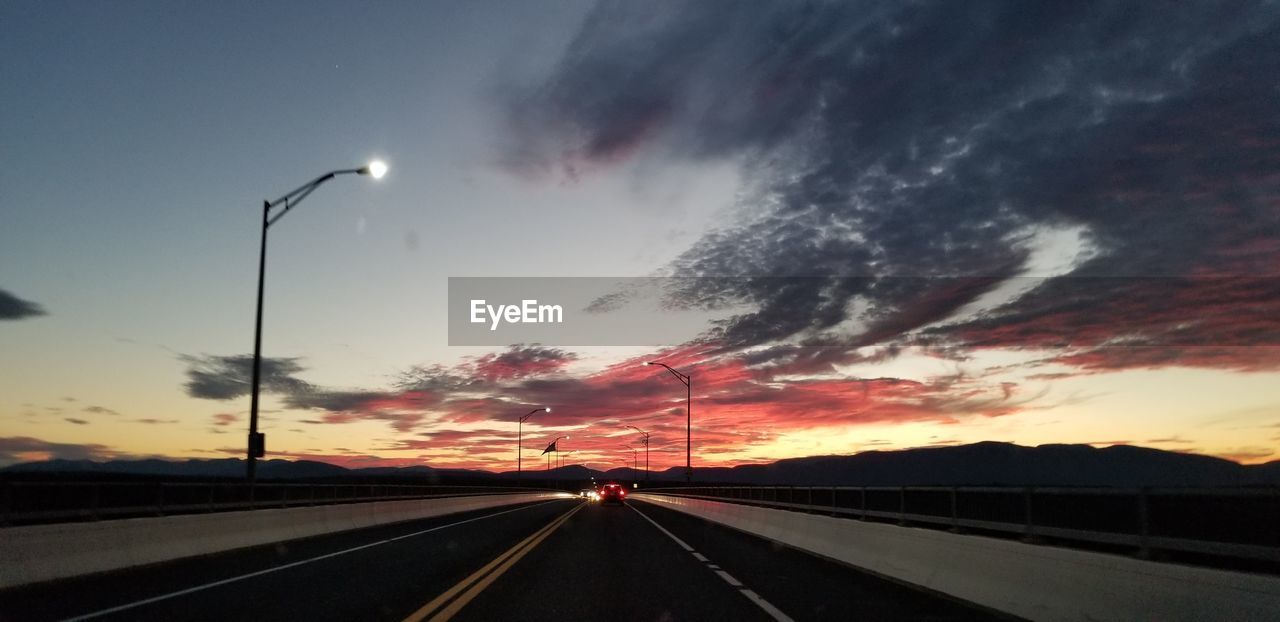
point(1224, 522)
point(32, 502)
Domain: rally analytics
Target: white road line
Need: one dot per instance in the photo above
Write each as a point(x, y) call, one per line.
point(154, 599)
point(700, 557)
point(764, 604)
point(728, 578)
point(682, 543)
point(751, 595)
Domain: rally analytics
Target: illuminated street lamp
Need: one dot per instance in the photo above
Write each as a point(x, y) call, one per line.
point(520, 436)
point(257, 441)
point(688, 430)
point(646, 450)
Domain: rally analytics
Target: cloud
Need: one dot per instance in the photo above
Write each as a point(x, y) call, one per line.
point(15, 308)
point(100, 410)
point(76, 421)
point(521, 361)
point(229, 377)
point(1247, 455)
point(224, 419)
point(15, 449)
point(891, 144)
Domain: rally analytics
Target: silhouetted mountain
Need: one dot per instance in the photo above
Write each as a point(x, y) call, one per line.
point(997, 464)
point(987, 463)
point(224, 467)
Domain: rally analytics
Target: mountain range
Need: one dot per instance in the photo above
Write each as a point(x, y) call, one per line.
point(978, 464)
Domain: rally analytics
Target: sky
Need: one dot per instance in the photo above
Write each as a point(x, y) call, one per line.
point(930, 223)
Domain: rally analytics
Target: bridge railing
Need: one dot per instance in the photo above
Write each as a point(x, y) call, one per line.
point(1223, 522)
point(32, 502)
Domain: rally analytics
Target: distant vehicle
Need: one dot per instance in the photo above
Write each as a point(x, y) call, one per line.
point(612, 493)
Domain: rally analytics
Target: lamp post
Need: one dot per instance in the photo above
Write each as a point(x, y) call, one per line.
point(688, 430)
point(520, 437)
point(257, 446)
point(635, 461)
point(645, 435)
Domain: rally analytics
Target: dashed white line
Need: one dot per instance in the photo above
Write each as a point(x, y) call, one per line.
point(728, 578)
point(768, 607)
point(682, 543)
point(764, 604)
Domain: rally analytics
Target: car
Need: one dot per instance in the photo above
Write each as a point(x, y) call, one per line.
point(612, 493)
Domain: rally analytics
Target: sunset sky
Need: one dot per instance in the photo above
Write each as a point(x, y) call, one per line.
point(945, 222)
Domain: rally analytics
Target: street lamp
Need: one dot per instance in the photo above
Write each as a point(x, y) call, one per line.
point(258, 442)
point(688, 430)
point(635, 462)
point(646, 450)
point(520, 436)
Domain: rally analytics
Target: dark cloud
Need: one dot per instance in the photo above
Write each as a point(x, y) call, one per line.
point(100, 410)
point(15, 449)
point(336, 400)
point(15, 308)
point(229, 377)
point(522, 361)
point(891, 140)
point(76, 421)
point(224, 419)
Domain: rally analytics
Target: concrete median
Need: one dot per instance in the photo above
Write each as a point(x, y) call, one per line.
point(1025, 580)
point(38, 553)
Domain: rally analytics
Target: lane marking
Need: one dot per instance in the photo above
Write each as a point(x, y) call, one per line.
point(682, 543)
point(205, 586)
point(479, 580)
point(728, 578)
point(765, 605)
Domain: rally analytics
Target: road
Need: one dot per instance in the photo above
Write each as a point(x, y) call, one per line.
point(556, 560)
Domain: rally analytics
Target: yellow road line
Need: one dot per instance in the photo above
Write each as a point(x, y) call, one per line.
point(481, 578)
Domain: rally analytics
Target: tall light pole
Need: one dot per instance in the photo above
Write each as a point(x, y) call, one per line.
point(520, 437)
point(257, 441)
point(645, 435)
point(688, 430)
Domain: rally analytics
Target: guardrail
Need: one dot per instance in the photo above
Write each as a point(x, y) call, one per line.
point(35, 502)
point(1233, 523)
point(1050, 583)
point(35, 553)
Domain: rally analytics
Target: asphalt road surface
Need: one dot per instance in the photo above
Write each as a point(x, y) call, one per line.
point(557, 560)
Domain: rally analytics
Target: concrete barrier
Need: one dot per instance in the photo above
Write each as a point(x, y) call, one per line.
point(1026, 580)
point(45, 552)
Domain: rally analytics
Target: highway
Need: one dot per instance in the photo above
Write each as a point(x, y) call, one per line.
point(555, 560)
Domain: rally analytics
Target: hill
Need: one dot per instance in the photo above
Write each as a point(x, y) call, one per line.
point(978, 464)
